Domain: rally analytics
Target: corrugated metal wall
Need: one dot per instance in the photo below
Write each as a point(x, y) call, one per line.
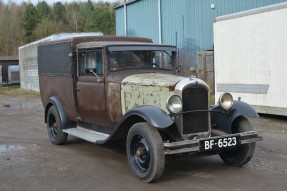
point(142, 20)
point(120, 22)
point(144, 14)
point(199, 18)
point(186, 23)
point(172, 14)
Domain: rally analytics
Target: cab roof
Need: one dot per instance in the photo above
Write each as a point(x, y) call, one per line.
point(95, 44)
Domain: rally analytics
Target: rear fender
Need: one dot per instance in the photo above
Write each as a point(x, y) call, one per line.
point(223, 120)
point(55, 101)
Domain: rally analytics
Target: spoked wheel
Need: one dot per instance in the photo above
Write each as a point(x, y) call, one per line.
point(54, 127)
point(144, 151)
point(243, 154)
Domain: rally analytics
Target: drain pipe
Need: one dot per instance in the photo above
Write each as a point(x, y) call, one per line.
point(125, 18)
point(159, 20)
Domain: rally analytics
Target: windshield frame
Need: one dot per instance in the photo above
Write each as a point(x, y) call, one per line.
point(135, 47)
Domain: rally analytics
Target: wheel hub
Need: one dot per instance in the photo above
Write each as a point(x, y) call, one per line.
point(140, 153)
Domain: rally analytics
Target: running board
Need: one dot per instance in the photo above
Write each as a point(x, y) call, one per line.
point(87, 134)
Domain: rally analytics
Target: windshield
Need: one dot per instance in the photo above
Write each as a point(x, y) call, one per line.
point(141, 59)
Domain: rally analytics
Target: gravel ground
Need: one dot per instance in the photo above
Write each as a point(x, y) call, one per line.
point(28, 161)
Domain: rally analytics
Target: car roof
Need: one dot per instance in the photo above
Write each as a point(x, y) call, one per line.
point(95, 44)
point(111, 44)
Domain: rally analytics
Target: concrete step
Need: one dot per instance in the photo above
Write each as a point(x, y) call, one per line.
point(86, 134)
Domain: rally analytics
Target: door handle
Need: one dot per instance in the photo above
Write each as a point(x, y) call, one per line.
point(78, 89)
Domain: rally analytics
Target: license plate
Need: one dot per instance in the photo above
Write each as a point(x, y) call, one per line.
point(214, 144)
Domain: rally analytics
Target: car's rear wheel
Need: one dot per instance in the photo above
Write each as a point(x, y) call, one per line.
point(145, 152)
point(241, 155)
point(54, 127)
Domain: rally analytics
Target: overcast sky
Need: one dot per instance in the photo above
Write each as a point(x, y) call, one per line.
point(50, 2)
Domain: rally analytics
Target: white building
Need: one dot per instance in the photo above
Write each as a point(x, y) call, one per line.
point(28, 59)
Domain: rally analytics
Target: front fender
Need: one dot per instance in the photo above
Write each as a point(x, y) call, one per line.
point(223, 120)
point(148, 113)
point(151, 114)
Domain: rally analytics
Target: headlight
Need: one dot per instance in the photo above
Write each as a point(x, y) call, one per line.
point(226, 101)
point(174, 104)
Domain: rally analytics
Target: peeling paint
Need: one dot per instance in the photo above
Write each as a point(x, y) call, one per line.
point(147, 89)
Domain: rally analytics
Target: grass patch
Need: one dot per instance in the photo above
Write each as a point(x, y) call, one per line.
point(16, 90)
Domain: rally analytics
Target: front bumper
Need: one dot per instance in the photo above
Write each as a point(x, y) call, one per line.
point(190, 146)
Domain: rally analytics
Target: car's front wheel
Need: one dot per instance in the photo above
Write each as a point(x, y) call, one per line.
point(145, 152)
point(54, 127)
point(241, 155)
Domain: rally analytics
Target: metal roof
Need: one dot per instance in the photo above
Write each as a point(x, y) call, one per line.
point(62, 36)
point(130, 2)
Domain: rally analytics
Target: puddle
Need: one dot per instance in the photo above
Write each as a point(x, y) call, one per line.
point(7, 148)
point(14, 105)
point(22, 105)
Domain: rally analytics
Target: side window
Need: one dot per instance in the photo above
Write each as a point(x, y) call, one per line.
point(90, 62)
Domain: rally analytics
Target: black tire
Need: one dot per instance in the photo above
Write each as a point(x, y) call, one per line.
point(242, 154)
point(145, 152)
point(54, 127)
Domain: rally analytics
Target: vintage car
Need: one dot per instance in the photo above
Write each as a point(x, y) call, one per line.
point(125, 89)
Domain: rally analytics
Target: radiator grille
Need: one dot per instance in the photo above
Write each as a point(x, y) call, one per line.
point(195, 98)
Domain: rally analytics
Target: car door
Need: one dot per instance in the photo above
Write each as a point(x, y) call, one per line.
point(91, 88)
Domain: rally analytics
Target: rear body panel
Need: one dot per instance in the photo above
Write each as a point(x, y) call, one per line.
point(53, 86)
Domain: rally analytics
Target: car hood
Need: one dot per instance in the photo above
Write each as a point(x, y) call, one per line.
point(147, 89)
point(152, 79)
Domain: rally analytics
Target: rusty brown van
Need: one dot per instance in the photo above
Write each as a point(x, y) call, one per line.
point(125, 89)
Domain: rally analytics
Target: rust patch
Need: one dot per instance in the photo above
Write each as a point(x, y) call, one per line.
point(114, 103)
